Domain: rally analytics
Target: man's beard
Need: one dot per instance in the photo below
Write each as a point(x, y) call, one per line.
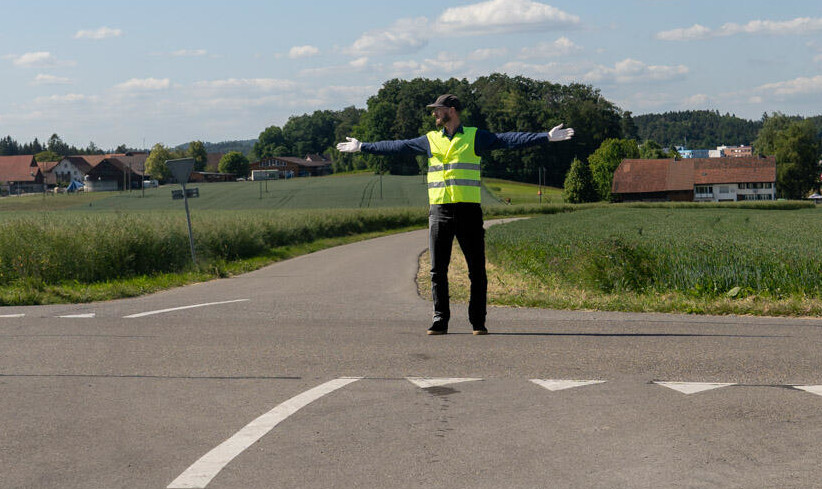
point(442, 121)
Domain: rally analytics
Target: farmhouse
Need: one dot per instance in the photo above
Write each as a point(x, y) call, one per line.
point(696, 179)
point(313, 165)
point(20, 174)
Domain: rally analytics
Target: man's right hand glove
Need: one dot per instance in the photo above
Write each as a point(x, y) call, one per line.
point(351, 146)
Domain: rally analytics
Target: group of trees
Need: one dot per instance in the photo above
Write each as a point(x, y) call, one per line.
point(497, 102)
point(52, 150)
point(232, 162)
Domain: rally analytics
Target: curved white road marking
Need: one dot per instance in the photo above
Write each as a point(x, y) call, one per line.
point(427, 382)
point(160, 311)
point(202, 471)
point(692, 387)
point(558, 384)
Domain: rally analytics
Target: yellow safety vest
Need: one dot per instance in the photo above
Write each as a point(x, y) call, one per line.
point(453, 168)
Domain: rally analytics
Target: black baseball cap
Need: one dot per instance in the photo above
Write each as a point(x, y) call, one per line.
point(447, 100)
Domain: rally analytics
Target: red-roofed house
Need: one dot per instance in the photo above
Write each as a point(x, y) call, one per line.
point(696, 179)
point(20, 174)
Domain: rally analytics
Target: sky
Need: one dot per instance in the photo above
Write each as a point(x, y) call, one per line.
point(144, 72)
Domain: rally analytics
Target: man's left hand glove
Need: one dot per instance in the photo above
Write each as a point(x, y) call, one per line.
point(560, 134)
point(351, 146)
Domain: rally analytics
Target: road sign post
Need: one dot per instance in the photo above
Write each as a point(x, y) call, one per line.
point(181, 170)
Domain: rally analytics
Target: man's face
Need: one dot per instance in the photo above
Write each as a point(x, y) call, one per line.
point(443, 115)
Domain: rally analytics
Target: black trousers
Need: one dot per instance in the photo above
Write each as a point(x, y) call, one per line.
point(463, 221)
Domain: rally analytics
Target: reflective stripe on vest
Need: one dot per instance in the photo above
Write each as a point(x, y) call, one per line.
point(453, 168)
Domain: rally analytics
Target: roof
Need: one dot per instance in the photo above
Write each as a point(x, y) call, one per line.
point(666, 175)
point(639, 176)
point(297, 161)
point(47, 166)
point(744, 169)
point(18, 168)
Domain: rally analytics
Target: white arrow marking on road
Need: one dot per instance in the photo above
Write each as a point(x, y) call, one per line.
point(692, 387)
point(813, 389)
point(12, 315)
point(558, 385)
point(78, 316)
point(202, 471)
point(160, 311)
point(426, 382)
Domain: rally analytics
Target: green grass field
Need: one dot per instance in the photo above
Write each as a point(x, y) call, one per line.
point(357, 191)
point(521, 193)
point(703, 259)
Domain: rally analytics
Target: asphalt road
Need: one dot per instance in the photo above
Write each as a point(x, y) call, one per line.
point(297, 376)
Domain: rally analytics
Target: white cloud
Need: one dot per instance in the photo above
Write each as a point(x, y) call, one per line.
point(405, 36)
point(487, 53)
point(548, 70)
point(698, 100)
point(264, 84)
point(303, 52)
point(144, 84)
point(359, 62)
point(503, 16)
point(817, 58)
point(37, 59)
point(62, 99)
point(799, 25)
point(561, 47)
point(42, 79)
point(97, 34)
point(798, 86)
point(180, 53)
point(446, 62)
point(630, 71)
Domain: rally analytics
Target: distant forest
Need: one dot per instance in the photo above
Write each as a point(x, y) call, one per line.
point(244, 146)
point(702, 129)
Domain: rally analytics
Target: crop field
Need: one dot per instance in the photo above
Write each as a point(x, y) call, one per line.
point(358, 191)
point(522, 193)
point(727, 254)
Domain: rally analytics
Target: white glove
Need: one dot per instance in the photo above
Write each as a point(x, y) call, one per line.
point(560, 134)
point(352, 146)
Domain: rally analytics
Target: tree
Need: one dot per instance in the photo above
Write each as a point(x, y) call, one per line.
point(156, 163)
point(766, 140)
point(797, 152)
point(234, 162)
point(121, 149)
point(629, 127)
point(651, 150)
point(57, 145)
point(46, 156)
point(579, 184)
point(605, 160)
point(92, 149)
point(269, 143)
point(196, 150)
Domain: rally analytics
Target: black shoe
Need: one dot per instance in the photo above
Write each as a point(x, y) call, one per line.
point(480, 330)
point(438, 328)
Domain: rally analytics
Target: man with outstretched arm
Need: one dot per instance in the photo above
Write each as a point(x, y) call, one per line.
point(454, 197)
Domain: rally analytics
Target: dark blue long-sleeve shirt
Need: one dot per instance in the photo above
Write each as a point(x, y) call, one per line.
point(484, 141)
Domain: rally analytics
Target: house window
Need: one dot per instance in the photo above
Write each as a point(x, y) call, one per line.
point(724, 190)
point(767, 185)
point(703, 189)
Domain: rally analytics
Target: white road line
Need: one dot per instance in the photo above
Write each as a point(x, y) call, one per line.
point(427, 382)
point(813, 389)
point(78, 316)
point(692, 387)
point(202, 471)
point(559, 384)
point(12, 315)
point(160, 311)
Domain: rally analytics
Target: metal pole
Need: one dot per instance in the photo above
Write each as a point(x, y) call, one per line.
point(188, 219)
